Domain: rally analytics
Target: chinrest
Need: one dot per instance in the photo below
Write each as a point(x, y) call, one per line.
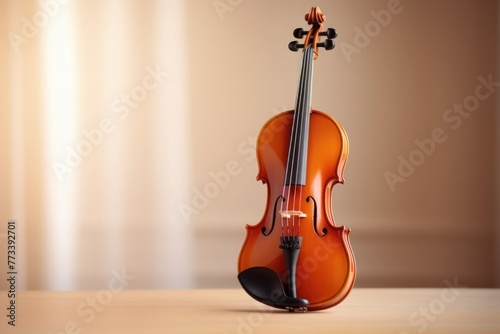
point(264, 285)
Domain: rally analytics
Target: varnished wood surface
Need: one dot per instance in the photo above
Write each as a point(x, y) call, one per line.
point(399, 311)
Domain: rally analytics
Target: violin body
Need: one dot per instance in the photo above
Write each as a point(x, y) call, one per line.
point(296, 258)
point(326, 275)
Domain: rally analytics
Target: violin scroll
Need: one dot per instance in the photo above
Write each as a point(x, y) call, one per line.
point(316, 19)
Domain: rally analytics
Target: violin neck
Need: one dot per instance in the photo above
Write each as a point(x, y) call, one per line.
point(297, 152)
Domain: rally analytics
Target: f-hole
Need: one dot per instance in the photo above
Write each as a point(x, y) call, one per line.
point(274, 217)
point(315, 218)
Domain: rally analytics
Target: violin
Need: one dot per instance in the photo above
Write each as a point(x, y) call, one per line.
point(296, 258)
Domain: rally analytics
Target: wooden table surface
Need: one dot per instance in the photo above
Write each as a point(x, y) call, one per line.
point(398, 311)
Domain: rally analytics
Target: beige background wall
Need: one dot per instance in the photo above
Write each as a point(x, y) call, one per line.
point(393, 81)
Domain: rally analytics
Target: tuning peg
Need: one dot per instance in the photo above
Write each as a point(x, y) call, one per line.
point(299, 33)
point(295, 46)
point(328, 44)
point(329, 33)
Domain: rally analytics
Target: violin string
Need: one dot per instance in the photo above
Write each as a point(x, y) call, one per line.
point(307, 111)
point(293, 171)
point(289, 169)
point(299, 139)
point(304, 116)
point(296, 139)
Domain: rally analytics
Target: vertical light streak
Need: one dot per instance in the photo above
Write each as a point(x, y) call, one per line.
point(173, 256)
point(59, 64)
point(17, 110)
point(116, 50)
